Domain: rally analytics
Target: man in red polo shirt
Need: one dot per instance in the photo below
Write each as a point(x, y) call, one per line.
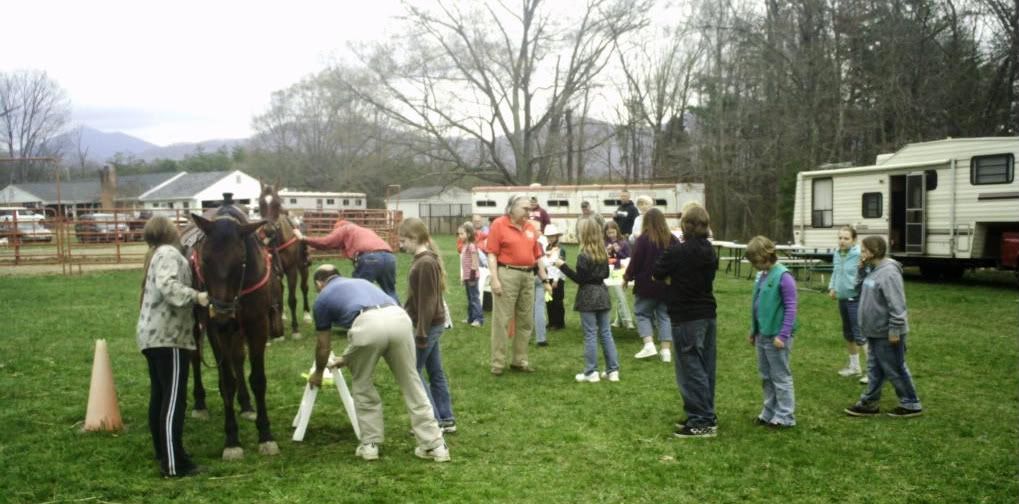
point(372, 256)
point(513, 253)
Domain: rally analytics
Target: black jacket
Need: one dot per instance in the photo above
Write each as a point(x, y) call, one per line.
point(592, 294)
point(625, 215)
point(689, 268)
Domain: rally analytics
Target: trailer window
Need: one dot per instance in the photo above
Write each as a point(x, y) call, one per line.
point(612, 202)
point(996, 169)
point(330, 201)
point(558, 203)
point(660, 202)
point(872, 207)
point(485, 203)
point(293, 201)
point(821, 216)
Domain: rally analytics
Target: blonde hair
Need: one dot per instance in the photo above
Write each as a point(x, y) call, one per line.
point(158, 231)
point(415, 229)
point(760, 249)
point(592, 242)
point(643, 198)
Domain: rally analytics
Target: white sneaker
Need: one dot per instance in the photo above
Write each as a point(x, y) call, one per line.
point(367, 451)
point(864, 380)
point(613, 376)
point(849, 371)
point(475, 324)
point(439, 453)
point(591, 377)
point(666, 355)
point(647, 351)
point(630, 326)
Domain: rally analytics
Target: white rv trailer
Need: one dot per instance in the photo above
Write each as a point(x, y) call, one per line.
point(945, 205)
point(322, 201)
point(562, 202)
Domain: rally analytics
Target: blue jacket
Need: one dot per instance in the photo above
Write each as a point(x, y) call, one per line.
point(843, 274)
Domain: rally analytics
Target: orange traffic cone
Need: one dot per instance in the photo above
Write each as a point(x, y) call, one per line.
point(103, 411)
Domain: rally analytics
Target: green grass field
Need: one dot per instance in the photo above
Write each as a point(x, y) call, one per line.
point(538, 437)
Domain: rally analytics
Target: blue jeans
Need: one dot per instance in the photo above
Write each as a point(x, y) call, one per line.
point(777, 381)
point(597, 330)
point(648, 311)
point(848, 309)
point(474, 313)
point(887, 362)
point(540, 331)
point(695, 369)
point(430, 358)
point(378, 267)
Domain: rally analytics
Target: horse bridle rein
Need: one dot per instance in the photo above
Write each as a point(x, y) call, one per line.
point(230, 307)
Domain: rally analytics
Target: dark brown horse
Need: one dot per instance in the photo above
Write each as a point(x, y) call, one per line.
point(235, 269)
point(292, 254)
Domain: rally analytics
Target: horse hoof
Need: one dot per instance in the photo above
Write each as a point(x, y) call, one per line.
point(249, 415)
point(200, 414)
point(268, 448)
point(307, 318)
point(233, 453)
point(296, 336)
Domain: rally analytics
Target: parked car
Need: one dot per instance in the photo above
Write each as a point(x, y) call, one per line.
point(9, 214)
point(25, 232)
point(101, 227)
point(136, 226)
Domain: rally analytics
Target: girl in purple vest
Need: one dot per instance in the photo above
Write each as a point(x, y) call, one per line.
point(772, 323)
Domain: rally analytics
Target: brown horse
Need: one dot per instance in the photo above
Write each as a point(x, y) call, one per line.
point(235, 269)
point(292, 254)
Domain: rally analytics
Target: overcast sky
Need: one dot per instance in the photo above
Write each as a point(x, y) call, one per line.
point(186, 70)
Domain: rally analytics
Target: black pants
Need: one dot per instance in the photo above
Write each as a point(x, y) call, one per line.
point(168, 375)
point(556, 311)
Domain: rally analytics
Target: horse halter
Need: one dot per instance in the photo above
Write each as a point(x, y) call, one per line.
point(230, 308)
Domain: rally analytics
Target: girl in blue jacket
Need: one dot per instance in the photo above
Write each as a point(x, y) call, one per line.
point(843, 288)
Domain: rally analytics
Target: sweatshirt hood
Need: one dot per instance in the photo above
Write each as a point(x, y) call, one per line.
point(889, 263)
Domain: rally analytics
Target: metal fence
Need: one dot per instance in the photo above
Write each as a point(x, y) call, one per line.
point(114, 236)
point(444, 218)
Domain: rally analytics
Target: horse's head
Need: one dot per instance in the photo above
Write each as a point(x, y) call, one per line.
point(270, 207)
point(227, 254)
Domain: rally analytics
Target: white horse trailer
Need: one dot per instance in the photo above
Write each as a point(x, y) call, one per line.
point(945, 205)
point(562, 202)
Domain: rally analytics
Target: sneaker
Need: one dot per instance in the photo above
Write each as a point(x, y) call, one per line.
point(591, 377)
point(464, 321)
point(522, 368)
point(680, 423)
point(497, 371)
point(447, 426)
point(778, 427)
point(630, 326)
point(900, 412)
point(759, 422)
point(367, 451)
point(687, 431)
point(849, 371)
point(439, 453)
point(476, 323)
point(615, 324)
point(860, 410)
point(647, 351)
point(864, 380)
point(613, 376)
point(542, 343)
point(666, 355)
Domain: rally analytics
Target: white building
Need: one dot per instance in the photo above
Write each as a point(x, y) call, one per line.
point(322, 201)
point(195, 191)
point(434, 201)
point(79, 196)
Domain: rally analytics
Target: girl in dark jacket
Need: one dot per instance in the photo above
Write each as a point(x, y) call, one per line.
point(592, 301)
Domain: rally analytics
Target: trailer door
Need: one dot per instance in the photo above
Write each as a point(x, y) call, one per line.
point(916, 221)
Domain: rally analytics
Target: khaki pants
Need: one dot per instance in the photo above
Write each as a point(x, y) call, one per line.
point(517, 303)
point(387, 333)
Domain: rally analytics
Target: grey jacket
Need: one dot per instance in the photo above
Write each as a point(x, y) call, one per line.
point(592, 295)
point(166, 318)
point(882, 309)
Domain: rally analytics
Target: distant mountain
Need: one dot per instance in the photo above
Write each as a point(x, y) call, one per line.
point(102, 145)
point(180, 151)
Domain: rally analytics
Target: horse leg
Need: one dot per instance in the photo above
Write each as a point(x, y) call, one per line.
point(256, 350)
point(292, 303)
point(304, 291)
point(243, 399)
point(222, 349)
point(200, 410)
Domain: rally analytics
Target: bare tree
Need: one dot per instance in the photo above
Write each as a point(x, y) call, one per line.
point(486, 74)
point(36, 110)
point(80, 148)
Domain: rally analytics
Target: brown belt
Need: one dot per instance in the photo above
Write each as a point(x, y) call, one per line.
point(518, 268)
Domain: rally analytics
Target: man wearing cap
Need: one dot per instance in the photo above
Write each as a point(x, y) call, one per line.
point(587, 213)
point(626, 213)
point(372, 257)
point(376, 328)
point(514, 251)
point(538, 215)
